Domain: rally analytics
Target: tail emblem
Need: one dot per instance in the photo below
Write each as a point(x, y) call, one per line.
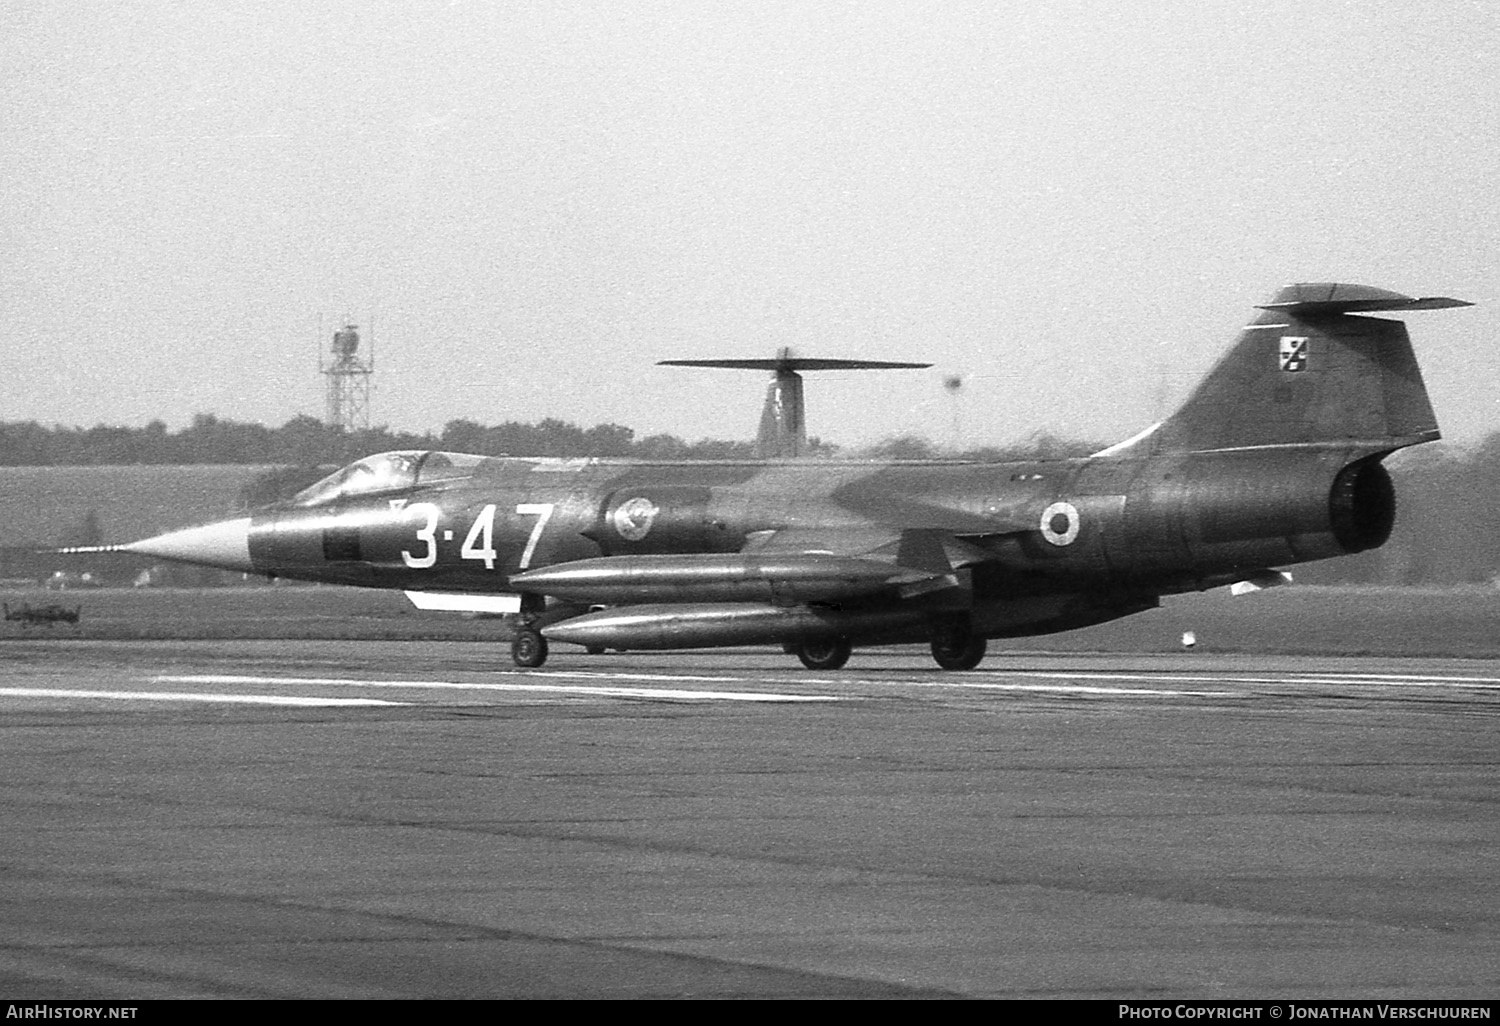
point(1293, 353)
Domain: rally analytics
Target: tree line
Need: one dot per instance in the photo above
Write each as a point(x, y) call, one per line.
point(307, 441)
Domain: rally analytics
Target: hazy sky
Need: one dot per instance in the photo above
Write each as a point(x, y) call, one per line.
point(1072, 204)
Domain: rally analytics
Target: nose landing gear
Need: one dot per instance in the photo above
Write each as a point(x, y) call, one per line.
point(528, 648)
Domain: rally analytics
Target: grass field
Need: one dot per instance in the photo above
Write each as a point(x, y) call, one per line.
point(110, 614)
point(1461, 622)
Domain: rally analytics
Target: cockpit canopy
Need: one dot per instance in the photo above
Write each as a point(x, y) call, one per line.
point(388, 472)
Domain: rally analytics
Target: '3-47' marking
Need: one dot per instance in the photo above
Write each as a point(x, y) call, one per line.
point(479, 543)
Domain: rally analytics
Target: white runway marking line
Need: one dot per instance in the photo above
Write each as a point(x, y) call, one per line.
point(191, 696)
point(1420, 680)
point(1082, 689)
point(990, 685)
point(566, 689)
point(1291, 677)
point(604, 675)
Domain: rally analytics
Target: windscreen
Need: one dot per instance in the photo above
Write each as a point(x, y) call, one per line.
point(388, 472)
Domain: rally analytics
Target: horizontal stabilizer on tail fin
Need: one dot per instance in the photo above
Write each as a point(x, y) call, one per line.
point(1312, 298)
point(1308, 371)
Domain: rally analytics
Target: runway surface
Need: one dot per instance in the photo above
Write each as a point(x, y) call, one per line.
point(409, 819)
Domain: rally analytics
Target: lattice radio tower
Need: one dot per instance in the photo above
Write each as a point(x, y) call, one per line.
point(348, 391)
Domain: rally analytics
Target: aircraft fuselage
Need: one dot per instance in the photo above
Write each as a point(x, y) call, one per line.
point(1109, 535)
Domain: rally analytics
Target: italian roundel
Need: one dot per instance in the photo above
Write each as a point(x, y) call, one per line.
point(1060, 523)
point(633, 518)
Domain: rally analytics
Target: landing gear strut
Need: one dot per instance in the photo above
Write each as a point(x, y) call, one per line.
point(957, 649)
point(824, 653)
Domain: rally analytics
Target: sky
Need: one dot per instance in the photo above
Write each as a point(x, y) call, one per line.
point(1072, 206)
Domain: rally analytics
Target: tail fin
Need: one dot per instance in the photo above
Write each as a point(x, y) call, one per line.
point(1307, 371)
point(783, 424)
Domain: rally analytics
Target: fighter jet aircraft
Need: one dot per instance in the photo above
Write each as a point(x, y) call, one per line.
point(1274, 459)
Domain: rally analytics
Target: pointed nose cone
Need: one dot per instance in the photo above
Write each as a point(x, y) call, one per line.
point(225, 545)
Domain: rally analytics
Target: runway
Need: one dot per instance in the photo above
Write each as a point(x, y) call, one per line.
point(410, 819)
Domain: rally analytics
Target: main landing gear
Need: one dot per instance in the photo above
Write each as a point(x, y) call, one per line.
point(957, 649)
point(824, 653)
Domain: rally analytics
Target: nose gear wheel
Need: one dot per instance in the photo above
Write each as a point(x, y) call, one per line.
point(528, 648)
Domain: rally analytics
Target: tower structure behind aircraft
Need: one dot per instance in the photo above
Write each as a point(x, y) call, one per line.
point(783, 421)
point(347, 395)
